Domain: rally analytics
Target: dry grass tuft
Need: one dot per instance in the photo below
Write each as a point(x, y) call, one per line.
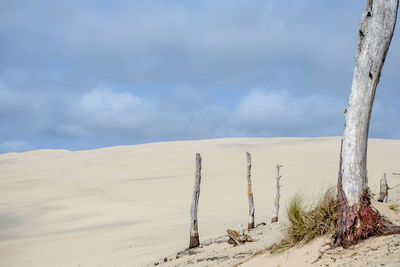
point(308, 221)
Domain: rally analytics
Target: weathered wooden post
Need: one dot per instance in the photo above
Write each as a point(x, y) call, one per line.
point(241, 232)
point(383, 195)
point(194, 234)
point(250, 193)
point(275, 211)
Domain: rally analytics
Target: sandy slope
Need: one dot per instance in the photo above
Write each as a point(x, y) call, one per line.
point(375, 251)
point(129, 205)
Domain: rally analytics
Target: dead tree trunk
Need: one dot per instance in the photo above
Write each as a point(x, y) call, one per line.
point(275, 211)
point(250, 193)
point(383, 193)
point(356, 218)
point(194, 234)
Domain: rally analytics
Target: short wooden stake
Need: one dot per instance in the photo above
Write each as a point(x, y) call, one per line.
point(275, 212)
point(241, 232)
point(250, 193)
point(383, 195)
point(194, 234)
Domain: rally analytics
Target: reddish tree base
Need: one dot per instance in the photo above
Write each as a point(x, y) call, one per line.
point(274, 219)
point(359, 221)
point(194, 241)
point(250, 226)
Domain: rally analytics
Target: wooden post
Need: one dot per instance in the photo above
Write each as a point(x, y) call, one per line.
point(241, 232)
point(275, 212)
point(194, 234)
point(250, 193)
point(383, 195)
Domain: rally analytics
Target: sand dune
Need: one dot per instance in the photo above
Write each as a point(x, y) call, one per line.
point(129, 205)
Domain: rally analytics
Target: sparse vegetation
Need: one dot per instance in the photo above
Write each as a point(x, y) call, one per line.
point(394, 207)
point(308, 221)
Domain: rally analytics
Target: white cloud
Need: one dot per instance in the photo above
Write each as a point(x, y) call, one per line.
point(282, 114)
point(104, 100)
point(105, 116)
point(103, 111)
point(215, 52)
point(108, 114)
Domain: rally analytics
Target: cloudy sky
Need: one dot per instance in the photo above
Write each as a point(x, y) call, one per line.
point(86, 74)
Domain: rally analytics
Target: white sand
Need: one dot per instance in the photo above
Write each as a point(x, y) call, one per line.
point(129, 205)
point(375, 251)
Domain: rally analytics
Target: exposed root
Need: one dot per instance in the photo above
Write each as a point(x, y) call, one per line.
point(321, 253)
point(359, 221)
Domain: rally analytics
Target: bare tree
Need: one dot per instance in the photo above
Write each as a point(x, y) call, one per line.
point(356, 218)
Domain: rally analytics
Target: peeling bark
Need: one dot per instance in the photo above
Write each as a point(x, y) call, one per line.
point(356, 218)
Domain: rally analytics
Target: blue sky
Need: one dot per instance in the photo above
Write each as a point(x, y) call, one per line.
point(87, 74)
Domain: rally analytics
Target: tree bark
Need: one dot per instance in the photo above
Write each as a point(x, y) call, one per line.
point(356, 218)
point(275, 211)
point(250, 193)
point(384, 188)
point(194, 234)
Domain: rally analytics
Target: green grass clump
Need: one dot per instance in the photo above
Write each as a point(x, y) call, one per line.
point(308, 221)
point(394, 207)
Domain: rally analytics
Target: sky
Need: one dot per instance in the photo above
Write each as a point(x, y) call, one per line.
point(87, 74)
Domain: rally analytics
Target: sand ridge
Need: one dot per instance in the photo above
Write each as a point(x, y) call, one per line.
point(129, 205)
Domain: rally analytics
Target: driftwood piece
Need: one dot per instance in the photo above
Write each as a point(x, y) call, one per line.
point(250, 193)
point(234, 237)
point(238, 238)
point(396, 173)
point(383, 194)
point(194, 234)
point(275, 212)
point(390, 188)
